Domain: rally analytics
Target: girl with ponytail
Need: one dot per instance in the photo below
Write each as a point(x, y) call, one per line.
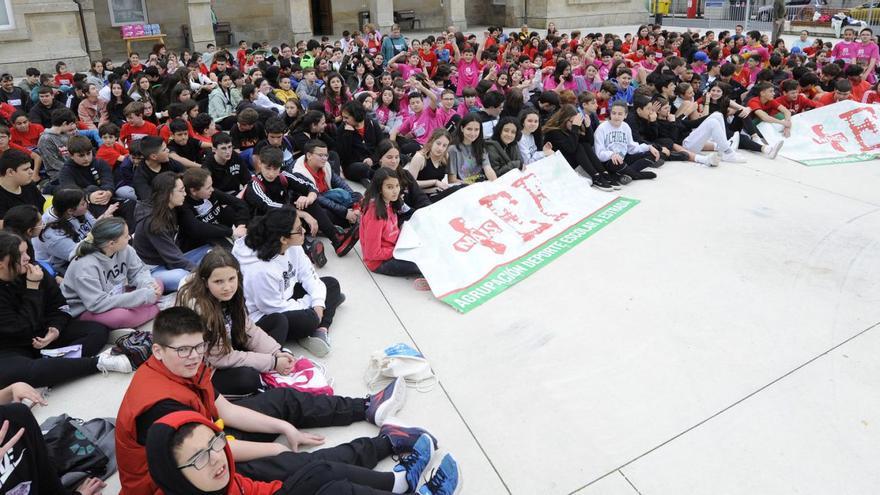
point(107, 282)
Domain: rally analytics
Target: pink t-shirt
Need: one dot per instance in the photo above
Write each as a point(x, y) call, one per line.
point(844, 50)
point(407, 70)
point(468, 75)
point(420, 125)
point(550, 84)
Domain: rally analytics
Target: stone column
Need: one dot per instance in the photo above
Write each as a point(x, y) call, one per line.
point(514, 13)
point(455, 14)
point(300, 19)
point(382, 14)
point(201, 30)
point(91, 25)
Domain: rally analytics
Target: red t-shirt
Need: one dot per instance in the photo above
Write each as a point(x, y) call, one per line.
point(131, 133)
point(111, 154)
point(858, 90)
point(320, 180)
point(828, 99)
point(800, 104)
point(771, 107)
point(64, 79)
point(27, 139)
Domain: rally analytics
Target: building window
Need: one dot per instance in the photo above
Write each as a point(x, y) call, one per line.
point(124, 12)
point(6, 19)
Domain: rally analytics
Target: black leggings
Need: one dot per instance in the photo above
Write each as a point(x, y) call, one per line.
point(634, 163)
point(326, 226)
point(352, 461)
point(357, 171)
point(26, 365)
point(302, 323)
point(34, 465)
point(745, 138)
point(244, 380)
point(320, 477)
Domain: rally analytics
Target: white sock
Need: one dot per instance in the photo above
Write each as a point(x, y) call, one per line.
point(400, 483)
point(701, 158)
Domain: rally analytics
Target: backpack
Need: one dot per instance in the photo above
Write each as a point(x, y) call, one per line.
point(137, 346)
point(306, 376)
point(80, 449)
point(399, 360)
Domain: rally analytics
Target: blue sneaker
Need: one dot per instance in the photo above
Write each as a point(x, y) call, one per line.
point(386, 402)
point(415, 463)
point(446, 479)
point(403, 438)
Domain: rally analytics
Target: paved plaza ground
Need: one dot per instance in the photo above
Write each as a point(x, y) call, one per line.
point(722, 337)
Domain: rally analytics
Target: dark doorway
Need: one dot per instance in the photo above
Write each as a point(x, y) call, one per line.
point(322, 17)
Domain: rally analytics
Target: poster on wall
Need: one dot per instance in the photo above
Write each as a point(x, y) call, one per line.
point(127, 12)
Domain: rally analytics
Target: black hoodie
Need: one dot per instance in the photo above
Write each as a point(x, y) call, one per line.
point(210, 221)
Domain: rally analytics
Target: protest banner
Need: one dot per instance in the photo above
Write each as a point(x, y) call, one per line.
point(844, 132)
point(485, 238)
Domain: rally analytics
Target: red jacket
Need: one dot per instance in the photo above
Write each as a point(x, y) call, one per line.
point(153, 383)
point(378, 236)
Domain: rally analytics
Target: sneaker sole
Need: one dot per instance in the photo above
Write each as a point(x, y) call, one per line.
point(625, 179)
point(320, 256)
point(315, 346)
point(394, 404)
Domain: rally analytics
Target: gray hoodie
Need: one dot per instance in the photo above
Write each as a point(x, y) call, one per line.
point(54, 246)
point(98, 283)
point(52, 147)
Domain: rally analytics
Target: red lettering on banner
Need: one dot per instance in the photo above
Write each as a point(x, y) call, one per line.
point(833, 139)
point(501, 204)
point(482, 235)
point(862, 126)
point(532, 185)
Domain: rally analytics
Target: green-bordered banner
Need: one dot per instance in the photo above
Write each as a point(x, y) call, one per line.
point(488, 236)
point(845, 132)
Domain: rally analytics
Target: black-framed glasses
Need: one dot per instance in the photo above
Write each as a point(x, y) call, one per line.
point(297, 232)
point(201, 458)
point(186, 351)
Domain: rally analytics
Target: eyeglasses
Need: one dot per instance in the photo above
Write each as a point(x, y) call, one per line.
point(297, 232)
point(321, 155)
point(200, 459)
point(186, 351)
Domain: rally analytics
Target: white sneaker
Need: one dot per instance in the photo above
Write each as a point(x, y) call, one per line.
point(713, 160)
point(734, 141)
point(732, 157)
point(114, 362)
point(774, 150)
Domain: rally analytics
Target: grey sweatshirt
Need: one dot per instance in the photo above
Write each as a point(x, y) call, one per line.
point(53, 148)
point(98, 283)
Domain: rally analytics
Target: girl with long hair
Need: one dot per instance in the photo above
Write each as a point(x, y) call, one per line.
point(429, 166)
point(68, 221)
point(156, 232)
point(336, 95)
point(563, 130)
point(468, 161)
point(238, 349)
point(107, 282)
point(380, 228)
point(34, 315)
point(503, 148)
point(412, 196)
point(279, 278)
point(531, 142)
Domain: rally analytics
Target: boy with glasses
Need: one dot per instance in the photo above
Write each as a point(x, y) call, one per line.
point(175, 378)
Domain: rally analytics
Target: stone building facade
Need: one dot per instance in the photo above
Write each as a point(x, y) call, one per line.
point(40, 32)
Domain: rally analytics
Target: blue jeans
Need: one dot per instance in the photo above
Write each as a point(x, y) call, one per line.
point(171, 277)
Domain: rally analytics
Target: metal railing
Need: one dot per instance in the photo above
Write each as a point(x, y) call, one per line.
point(758, 14)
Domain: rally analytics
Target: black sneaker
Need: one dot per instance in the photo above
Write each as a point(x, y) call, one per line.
point(346, 242)
point(317, 254)
point(624, 179)
point(601, 184)
point(659, 162)
point(646, 175)
point(612, 179)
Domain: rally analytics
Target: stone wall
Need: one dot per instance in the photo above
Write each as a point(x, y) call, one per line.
point(429, 12)
point(568, 14)
point(168, 14)
point(44, 33)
